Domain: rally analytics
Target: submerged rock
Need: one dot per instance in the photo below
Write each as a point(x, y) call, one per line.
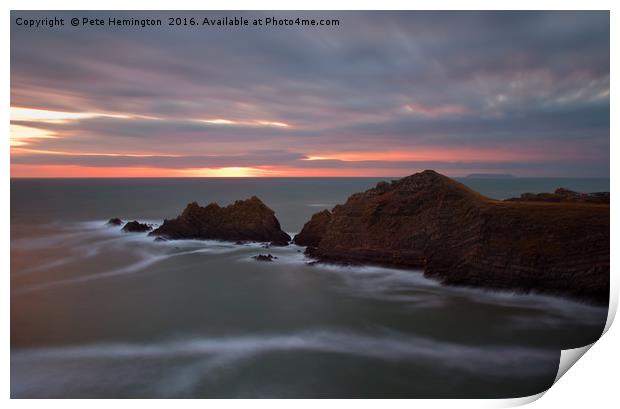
point(264, 257)
point(159, 239)
point(115, 221)
point(460, 237)
point(136, 227)
point(244, 220)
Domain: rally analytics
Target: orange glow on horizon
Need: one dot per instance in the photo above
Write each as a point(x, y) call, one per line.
point(76, 171)
point(226, 172)
point(433, 154)
point(394, 161)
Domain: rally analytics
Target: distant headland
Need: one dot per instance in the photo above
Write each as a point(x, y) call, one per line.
point(490, 176)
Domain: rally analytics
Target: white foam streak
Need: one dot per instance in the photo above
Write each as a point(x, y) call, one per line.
point(95, 237)
point(391, 284)
point(398, 285)
point(128, 269)
point(516, 361)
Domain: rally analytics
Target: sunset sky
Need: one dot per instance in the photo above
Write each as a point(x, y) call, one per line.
point(383, 94)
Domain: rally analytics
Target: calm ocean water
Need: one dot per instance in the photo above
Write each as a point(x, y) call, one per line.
point(99, 313)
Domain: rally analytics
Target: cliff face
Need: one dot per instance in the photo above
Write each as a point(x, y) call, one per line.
point(432, 222)
point(249, 220)
point(314, 230)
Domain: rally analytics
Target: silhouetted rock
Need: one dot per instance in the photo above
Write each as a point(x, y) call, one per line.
point(136, 227)
point(460, 237)
point(115, 221)
point(264, 257)
point(563, 195)
point(244, 220)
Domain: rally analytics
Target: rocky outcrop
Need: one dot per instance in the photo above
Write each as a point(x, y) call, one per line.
point(244, 220)
point(264, 257)
point(115, 221)
point(563, 195)
point(136, 227)
point(460, 237)
point(314, 230)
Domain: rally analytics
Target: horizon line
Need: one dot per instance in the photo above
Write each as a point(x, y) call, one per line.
point(490, 176)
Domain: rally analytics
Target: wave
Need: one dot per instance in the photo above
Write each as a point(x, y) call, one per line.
point(146, 261)
point(412, 287)
point(87, 239)
point(177, 367)
point(73, 233)
point(489, 359)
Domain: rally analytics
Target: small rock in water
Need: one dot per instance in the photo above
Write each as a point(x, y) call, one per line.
point(115, 221)
point(160, 239)
point(136, 227)
point(264, 257)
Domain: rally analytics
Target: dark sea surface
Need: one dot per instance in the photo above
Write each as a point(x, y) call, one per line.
point(100, 313)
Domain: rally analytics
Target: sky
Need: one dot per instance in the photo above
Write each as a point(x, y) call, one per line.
point(381, 94)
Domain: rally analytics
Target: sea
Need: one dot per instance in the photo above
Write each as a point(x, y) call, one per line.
point(98, 313)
